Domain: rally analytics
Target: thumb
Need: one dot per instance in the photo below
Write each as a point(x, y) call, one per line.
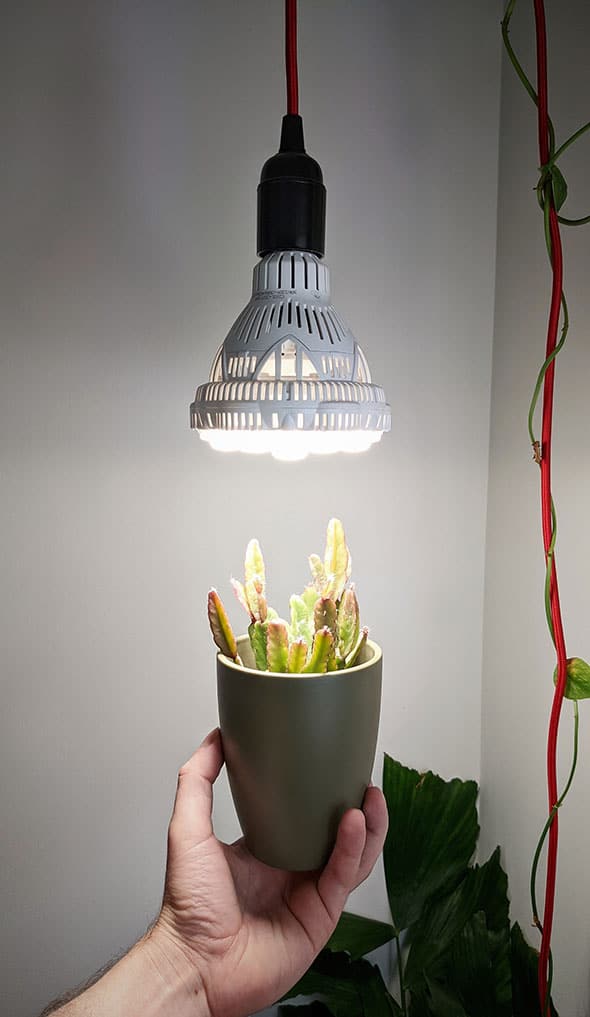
point(191, 818)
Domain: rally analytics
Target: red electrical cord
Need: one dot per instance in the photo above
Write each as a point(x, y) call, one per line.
point(291, 56)
point(546, 503)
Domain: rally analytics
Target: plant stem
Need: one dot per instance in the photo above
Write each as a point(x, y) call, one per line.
point(550, 818)
point(400, 971)
point(570, 141)
point(505, 23)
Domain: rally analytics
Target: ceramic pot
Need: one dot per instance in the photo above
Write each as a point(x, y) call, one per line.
point(299, 751)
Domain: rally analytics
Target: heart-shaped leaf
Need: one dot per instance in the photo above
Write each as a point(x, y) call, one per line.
point(577, 685)
point(558, 187)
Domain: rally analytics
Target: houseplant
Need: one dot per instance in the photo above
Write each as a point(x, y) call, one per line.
point(457, 953)
point(299, 705)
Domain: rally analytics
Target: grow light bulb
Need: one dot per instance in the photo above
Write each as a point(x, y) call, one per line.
point(290, 378)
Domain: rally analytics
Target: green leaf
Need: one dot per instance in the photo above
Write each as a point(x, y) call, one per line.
point(325, 615)
point(297, 657)
point(558, 187)
point(254, 564)
point(525, 995)
point(302, 626)
point(375, 997)
point(322, 649)
point(493, 893)
point(353, 656)
point(431, 837)
point(331, 976)
point(337, 565)
point(358, 935)
point(241, 595)
point(577, 685)
point(318, 574)
point(257, 633)
point(309, 598)
point(435, 933)
point(480, 969)
point(446, 942)
point(444, 1002)
point(277, 646)
point(348, 988)
point(348, 622)
point(221, 629)
point(254, 593)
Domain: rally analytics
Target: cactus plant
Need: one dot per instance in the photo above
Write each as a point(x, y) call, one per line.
point(324, 632)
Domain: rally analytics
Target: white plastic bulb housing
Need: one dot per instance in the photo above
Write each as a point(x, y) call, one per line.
point(290, 378)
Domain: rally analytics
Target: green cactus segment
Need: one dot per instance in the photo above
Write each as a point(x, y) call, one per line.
point(318, 574)
point(277, 646)
point(322, 650)
point(256, 600)
point(309, 598)
point(220, 627)
point(325, 615)
point(353, 657)
point(577, 684)
point(302, 626)
point(254, 564)
point(297, 656)
point(241, 595)
point(337, 562)
point(257, 635)
point(348, 623)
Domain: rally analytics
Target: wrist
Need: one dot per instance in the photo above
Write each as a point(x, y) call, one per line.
point(151, 980)
point(175, 977)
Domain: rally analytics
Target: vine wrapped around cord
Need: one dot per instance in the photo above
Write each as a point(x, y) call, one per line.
point(551, 194)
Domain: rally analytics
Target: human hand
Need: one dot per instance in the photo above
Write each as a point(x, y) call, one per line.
point(248, 931)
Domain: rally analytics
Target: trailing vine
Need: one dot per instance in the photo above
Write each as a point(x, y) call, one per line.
point(572, 676)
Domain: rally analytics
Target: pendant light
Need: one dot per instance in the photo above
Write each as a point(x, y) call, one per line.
point(290, 378)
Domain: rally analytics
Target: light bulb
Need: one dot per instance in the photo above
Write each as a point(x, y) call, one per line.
point(290, 378)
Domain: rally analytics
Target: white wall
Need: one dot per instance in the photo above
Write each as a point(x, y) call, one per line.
point(133, 142)
point(518, 657)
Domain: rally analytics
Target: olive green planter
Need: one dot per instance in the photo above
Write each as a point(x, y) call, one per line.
point(299, 751)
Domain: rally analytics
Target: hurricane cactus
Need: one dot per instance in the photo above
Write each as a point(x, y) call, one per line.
point(324, 632)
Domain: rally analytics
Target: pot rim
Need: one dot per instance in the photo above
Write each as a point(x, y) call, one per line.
point(344, 673)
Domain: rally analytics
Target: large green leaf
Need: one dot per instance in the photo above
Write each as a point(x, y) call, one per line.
point(444, 1002)
point(432, 836)
point(479, 966)
point(438, 949)
point(480, 969)
point(349, 988)
point(358, 935)
point(331, 976)
point(375, 997)
point(434, 935)
point(525, 996)
point(493, 892)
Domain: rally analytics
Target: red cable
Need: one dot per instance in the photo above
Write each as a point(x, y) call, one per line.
point(291, 56)
point(548, 388)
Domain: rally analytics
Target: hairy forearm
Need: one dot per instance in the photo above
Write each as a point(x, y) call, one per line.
point(149, 981)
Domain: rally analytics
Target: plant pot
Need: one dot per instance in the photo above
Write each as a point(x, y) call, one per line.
point(299, 751)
